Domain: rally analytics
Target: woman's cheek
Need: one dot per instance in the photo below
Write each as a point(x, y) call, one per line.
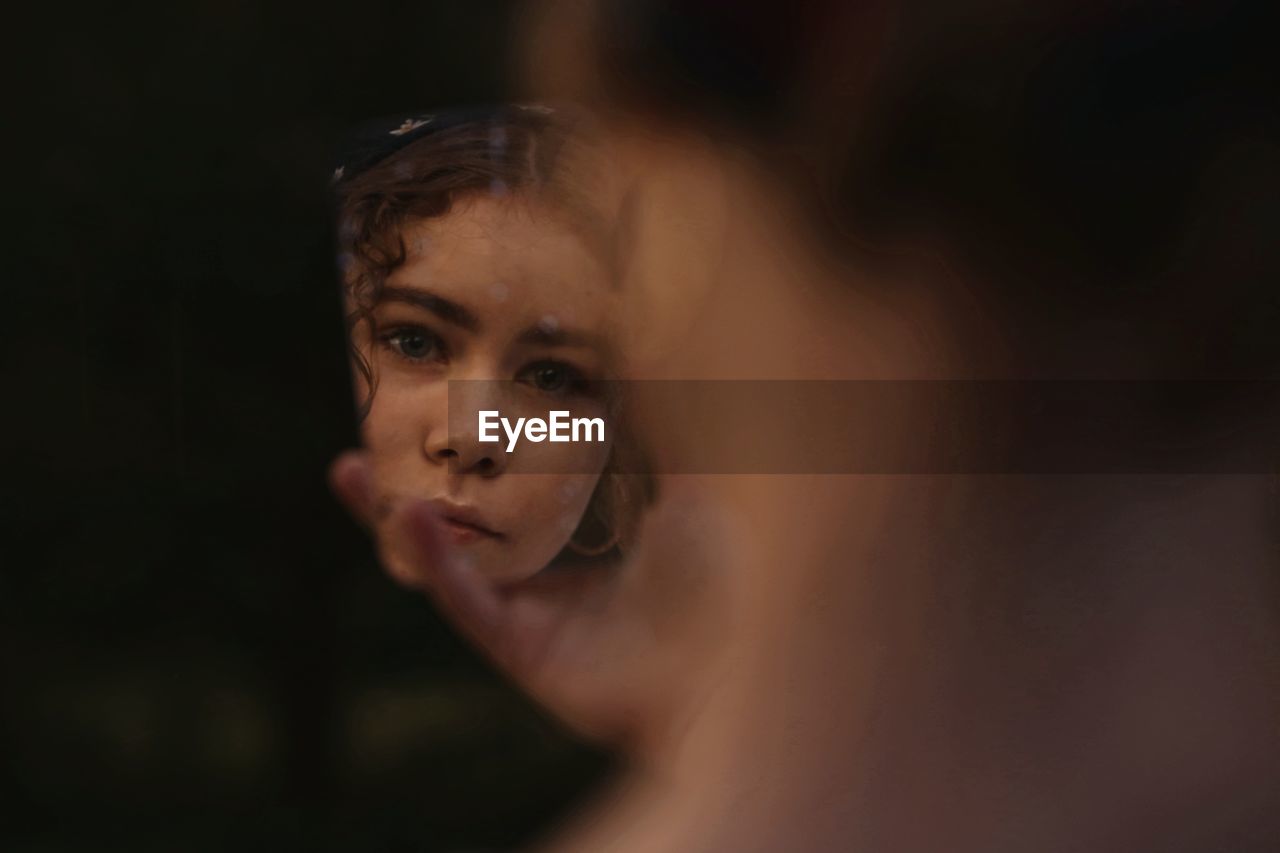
point(400, 413)
point(559, 505)
point(555, 512)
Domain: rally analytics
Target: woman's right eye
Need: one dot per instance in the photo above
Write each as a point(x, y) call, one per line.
point(414, 343)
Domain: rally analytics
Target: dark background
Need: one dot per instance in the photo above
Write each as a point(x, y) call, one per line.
point(198, 650)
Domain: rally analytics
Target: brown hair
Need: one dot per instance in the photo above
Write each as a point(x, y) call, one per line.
point(517, 152)
point(522, 153)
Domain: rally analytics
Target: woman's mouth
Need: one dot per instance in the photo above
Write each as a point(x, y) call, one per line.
point(464, 524)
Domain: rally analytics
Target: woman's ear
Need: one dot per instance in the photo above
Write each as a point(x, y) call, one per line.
point(598, 532)
point(625, 490)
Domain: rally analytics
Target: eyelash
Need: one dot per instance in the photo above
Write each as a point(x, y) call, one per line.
point(576, 383)
point(392, 339)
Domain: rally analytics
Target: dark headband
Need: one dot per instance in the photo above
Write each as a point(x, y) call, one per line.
point(371, 142)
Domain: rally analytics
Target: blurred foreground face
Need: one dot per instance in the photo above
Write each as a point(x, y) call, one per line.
point(1093, 591)
point(726, 293)
point(505, 295)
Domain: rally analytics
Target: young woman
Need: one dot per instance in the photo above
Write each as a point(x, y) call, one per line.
point(477, 274)
point(476, 278)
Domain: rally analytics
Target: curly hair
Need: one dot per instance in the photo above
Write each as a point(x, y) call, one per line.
point(518, 152)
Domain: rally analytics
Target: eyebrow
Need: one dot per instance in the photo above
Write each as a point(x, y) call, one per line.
point(457, 315)
point(447, 310)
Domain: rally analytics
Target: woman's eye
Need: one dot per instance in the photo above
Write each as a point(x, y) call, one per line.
point(553, 377)
point(414, 344)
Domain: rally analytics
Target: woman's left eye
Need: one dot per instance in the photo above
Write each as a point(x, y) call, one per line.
point(415, 344)
point(553, 377)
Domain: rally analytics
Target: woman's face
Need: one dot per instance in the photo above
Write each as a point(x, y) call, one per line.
point(499, 306)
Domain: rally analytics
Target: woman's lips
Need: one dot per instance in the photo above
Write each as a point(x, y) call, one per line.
point(462, 533)
point(463, 523)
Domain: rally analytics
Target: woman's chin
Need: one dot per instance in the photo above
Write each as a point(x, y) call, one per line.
point(494, 567)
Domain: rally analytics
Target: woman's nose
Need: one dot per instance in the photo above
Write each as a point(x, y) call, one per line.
point(464, 453)
point(458, 443)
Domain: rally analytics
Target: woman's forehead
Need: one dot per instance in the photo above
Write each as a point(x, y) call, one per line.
point(509, 256)
point(483, 230)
